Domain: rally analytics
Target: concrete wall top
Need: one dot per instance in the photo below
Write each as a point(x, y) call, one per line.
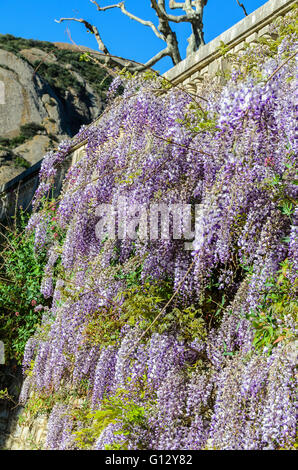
point(233, 36)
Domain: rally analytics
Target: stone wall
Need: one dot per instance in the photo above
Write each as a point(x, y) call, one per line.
point(27, 436)
point(21, 189)
point(208, 61)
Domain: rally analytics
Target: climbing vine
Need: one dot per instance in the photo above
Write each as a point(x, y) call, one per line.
point(208, 331)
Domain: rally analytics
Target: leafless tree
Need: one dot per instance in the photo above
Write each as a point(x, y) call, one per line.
point(193, 14)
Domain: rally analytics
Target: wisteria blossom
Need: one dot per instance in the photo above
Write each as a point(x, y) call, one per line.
point(220, 388)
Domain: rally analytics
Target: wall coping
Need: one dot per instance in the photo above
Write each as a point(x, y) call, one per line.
point(232, 37)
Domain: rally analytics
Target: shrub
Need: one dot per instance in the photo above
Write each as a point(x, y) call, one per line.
point(21, 273)
point(31, 129)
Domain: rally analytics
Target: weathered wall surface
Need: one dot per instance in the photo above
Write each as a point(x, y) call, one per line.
point(25, 436)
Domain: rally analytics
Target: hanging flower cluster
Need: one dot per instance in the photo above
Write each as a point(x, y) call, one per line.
point(208, 361)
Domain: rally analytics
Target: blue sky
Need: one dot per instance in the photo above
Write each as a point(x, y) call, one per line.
point(34, 19)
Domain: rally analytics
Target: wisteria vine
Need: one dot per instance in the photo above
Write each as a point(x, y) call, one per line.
point(222, 377)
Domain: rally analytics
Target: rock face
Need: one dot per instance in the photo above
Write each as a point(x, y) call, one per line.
point(49, 87)
point(23, 93)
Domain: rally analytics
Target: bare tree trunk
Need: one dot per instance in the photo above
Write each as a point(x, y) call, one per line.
point(195, 18)
point(169, 35)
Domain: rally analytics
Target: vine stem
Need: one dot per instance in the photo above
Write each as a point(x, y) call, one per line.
point(281, 66)
point(165, 307)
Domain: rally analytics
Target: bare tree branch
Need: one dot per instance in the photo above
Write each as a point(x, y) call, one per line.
point(108, 7)
point(130, 65)
point(93, 29)
point(131, 16)
point(163, 32)
point(193, 15)
point(242, 6)
point(176, 5)
point(98, 62)
point(160, 55)
point(186, 6)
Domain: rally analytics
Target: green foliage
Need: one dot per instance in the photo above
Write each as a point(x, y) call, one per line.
point(253, 54)
point(91, 71)
point(198, 120)
point(127, 74)
point(120, 409)
point(4, 395)
point(150, 75)
point(20, 278)
point(104, 328)
point(85, 57)
point(10, 156)
point(219, 306)
point(129, 179)
point(4, 141)
point(13, 142)
point(31, 129)
point(277, 186)
point(42, 402)
point(14, 44)
point(188, 323)
point(21, 162)
point(287, 208)
point(142, 302)
point(277, 303)
point(138, 305)
point(223, 49)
